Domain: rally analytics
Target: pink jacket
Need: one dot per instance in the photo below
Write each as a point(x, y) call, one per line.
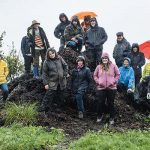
point(106, 79)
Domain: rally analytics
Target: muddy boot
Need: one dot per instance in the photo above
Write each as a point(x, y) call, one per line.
point(80, 115)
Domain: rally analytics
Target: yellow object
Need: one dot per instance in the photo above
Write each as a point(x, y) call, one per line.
point(146, 71)
point(3, 71)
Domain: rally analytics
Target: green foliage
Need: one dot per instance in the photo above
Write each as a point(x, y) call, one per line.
point(15, 66)
point(29, 138)
point(25, 113)
point(131, 140)
point(1, 39)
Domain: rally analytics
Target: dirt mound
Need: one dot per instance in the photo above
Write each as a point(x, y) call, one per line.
point(25, 88)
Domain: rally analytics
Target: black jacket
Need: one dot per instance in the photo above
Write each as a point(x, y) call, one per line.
point(54, 73)
point(26, 45)
point(95, 37)
point(137, 61)
point(43, 37)
point(72, 31)
point(122, 49)
point(80, 79)
point(60, 28)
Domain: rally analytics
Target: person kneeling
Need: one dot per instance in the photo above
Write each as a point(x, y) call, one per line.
point(126, 83)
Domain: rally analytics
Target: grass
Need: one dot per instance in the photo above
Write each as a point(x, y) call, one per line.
point(131, 140)
point(25, 113)
point(19, 137)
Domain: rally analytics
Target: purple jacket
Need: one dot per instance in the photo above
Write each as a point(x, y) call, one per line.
point(106, 79)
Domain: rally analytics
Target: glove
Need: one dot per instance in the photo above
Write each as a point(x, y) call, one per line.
point(129, 91)
point(148, 95)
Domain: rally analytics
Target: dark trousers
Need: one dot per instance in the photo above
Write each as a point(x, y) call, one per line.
point(137, 80)
point(27, 63)
point(79, 97)
point(128, 97)
point(49, 98)
point(62, 43)
point(94, 57)
point(103, 97)
point(76, 46)
point(5, 91)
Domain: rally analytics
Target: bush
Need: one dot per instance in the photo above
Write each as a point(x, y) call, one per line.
point(138, 140)
point(29, 138)
point(25, 113)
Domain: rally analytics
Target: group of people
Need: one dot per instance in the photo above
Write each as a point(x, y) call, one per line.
point(124, 75)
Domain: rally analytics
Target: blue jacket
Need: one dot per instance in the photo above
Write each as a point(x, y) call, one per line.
point(127, 77)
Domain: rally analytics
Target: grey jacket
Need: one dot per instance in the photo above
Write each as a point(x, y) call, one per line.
point(54, 73)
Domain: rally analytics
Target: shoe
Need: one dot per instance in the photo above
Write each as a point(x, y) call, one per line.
point(111, 121)
point(99, 119)
point(80, 115)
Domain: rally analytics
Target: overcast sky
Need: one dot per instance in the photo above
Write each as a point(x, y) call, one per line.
point(130, 16)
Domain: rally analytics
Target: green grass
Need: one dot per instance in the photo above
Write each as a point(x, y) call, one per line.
point(18, 137)
point(25, 113)
point(131, 140)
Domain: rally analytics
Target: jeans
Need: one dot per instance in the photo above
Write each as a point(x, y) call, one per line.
point(103, 96)
point(79, 97)
point(5, 91)
point(75, 46)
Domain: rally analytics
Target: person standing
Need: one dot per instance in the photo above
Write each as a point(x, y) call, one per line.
point(106, 76)
point(74, 35)
point(81, 78)
point(122, 49)
point(55, 71)
point(26, 52)
point(95, 37)
point(3, 75)
point(59, 30)
point(40, 45)
point(137, 61)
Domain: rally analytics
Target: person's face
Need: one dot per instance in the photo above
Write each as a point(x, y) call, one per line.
point(120, 38)
point(80, 63)
point(75, 23)
point(105, 60)
point(36, 26)
point(135, 49)
point(126, 63)
point(52, 55)
point(93, 23)
point(63, 18)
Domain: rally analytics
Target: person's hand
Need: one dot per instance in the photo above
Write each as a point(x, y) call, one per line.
point(46, 87)
point(129, 91)
point(148, 95)
point(73, 39)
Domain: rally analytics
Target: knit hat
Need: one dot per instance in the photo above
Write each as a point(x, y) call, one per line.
point(104, 55)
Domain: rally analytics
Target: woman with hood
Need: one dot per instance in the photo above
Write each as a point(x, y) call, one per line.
point(81, 77)
point(126, 83)
point(55, 71)
point(74, 35)
point(95, 37)
point(60, 28)
point(106, 76)
point(137, 61)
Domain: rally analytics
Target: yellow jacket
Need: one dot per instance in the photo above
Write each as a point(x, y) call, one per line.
point(146, 71)
point(3, 71)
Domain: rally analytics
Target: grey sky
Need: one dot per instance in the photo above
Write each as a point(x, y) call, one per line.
point(129, 16)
